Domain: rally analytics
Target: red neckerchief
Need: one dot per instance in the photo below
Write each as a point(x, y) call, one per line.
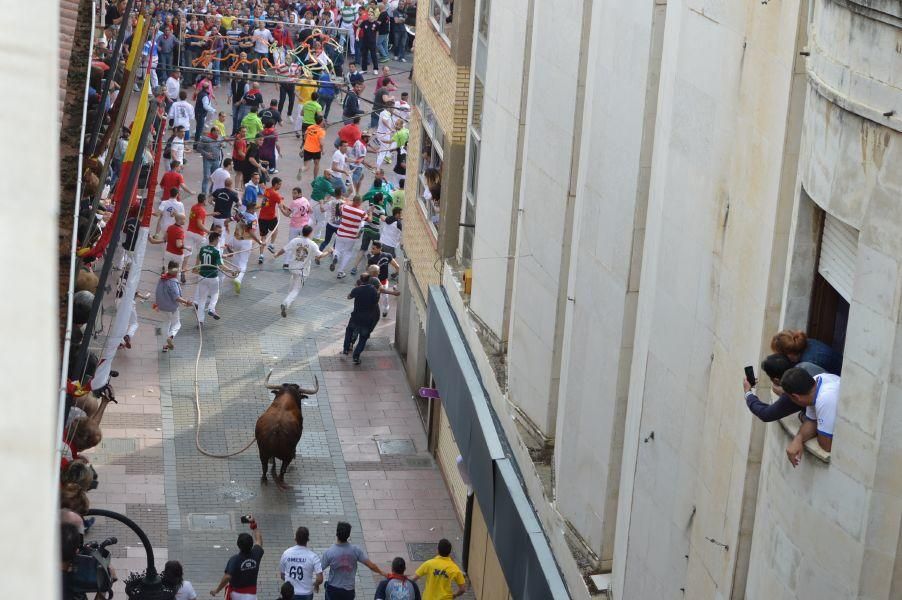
point(168, 276)
point(396, 576)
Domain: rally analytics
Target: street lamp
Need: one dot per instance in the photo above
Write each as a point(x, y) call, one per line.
point(149, 587)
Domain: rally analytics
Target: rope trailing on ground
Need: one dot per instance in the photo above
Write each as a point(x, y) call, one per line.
point(201, 449)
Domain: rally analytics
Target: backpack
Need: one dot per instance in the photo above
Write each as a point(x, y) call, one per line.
point(399, 589)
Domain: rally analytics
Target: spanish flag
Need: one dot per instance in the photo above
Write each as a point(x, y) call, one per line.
point(122, 198)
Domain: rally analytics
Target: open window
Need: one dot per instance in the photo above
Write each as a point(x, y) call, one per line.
point(832, 286)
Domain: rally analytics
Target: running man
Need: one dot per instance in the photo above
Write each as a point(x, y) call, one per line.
point(352, 215)
point(299, 253)
point(268, 217)
point(208, 266)
point(242, 244)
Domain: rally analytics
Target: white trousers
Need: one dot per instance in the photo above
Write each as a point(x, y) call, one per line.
point(295, 287)
point(169, 256)
point(173, 322)
point(242, 250)
point(132, 322)
point(345, 249)
point(193, 243)
point(207, 290)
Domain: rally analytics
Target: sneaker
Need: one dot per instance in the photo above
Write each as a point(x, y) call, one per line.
point(213, 314)
point(384, 313)
point(260, 260)
point(285, 266)
point(356, 360)
point(354, 271)
point(375, 71)
point(183, 279)
point(237, 285)
point(345, 352)
point(383, 60)
point(284, 310)
point(332, 264)
point(403, 60)
point(271, 248)
point(340, 275)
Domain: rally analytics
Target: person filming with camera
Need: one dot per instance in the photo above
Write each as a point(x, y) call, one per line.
point(240, 577)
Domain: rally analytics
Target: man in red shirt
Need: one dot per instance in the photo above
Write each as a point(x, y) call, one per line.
point(268, 219)
point(174, 239)
point(350, 133)
point(196, 236)
point(173, 178)
point(352, 216)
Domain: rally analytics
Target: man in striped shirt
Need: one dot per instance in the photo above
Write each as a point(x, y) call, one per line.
point(348, 16)
point(352, 216)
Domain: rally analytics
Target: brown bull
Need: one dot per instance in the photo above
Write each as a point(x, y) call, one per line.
point(279, 428)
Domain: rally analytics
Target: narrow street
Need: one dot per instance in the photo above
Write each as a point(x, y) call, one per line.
point(363, 457)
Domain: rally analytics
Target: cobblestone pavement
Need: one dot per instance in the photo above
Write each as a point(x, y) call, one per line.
point(362, 457)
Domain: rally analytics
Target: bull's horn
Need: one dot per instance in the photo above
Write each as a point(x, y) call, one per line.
point(266, 382)
point(314, 390)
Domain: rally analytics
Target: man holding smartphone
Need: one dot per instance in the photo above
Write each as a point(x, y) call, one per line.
point(241, 571)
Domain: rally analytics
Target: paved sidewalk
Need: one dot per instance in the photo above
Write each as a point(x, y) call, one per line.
point(362, 457)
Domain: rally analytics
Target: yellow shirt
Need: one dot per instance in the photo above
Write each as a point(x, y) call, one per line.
point(438, 573)
point(227, 21)
point(220, 127)
point(304, 90)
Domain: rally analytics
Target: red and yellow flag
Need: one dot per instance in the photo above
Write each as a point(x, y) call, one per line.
point(135, 50)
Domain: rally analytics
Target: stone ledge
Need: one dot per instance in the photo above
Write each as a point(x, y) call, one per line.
point(791, 426)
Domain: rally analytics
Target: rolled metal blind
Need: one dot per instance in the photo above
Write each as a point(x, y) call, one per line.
point(839, 249)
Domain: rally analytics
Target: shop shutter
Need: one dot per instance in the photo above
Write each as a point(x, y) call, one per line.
point(446, 453)
point(839, 248)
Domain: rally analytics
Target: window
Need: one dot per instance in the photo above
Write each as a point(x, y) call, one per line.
point(430, 170)
point(441, 14)
point(485, 7)
point(832, 287)
point(469, 221)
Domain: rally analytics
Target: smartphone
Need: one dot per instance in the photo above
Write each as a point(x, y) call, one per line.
point(750, 376)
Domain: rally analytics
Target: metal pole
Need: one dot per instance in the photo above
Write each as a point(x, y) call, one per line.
point(108, 81)
point(124, 201)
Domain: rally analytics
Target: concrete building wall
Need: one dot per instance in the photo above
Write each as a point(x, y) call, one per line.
point(717, 172)
point(833, 529)
point(500, 164)
point(31, 354)
point(546, 209)
point(612, 192)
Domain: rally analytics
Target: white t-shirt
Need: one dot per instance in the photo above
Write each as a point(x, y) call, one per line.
point(168, 210)
point(172, 88)
point(218, 177)
point(262, 39)
point(826, 397)
point(299, 564)
point(386, 124)
point(186, 592)
point(390, 234)
point(181, 113)
point(178, 149)
point(300, 253)
point(339, 161)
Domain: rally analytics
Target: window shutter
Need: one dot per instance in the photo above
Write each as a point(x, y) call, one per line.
point(839, 249)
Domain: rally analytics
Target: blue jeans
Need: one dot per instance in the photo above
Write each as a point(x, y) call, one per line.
point(362, 333)
point(335, 593)
point(303, 597)
point(209, 167)
point(382, 44)
point(400, 43)
point(164, 65)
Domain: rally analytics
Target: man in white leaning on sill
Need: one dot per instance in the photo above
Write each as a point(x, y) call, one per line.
point(819, 396)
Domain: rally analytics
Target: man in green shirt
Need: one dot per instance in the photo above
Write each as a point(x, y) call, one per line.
point(309, 111)
point(322, 187)
point(252, 125)
point(208, 266)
